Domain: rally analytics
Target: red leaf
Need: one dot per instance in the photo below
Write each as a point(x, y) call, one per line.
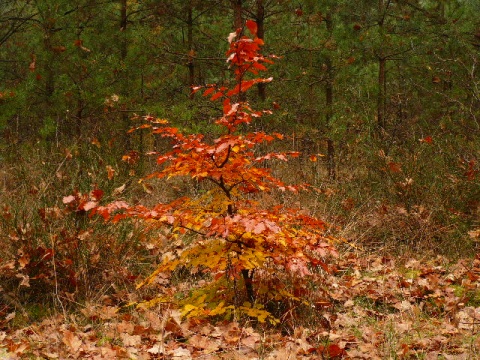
point(335, 351)
point(216, 96)
point(427, 140)
point(247, 85)
point(209, 91)
point(259, 66)
point(252, 26)
point(97, 194)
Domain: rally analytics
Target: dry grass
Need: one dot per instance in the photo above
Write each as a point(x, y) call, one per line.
point(62, 270)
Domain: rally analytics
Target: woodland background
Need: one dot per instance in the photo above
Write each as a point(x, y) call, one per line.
point(384, 95)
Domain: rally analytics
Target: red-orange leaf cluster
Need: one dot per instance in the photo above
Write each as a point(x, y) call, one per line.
point(234, 235)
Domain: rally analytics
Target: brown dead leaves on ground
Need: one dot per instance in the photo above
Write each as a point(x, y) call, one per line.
point(377, 309)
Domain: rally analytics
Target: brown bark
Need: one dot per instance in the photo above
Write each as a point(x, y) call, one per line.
point(123, 28)
point(260, 19)
point(238, 26)
point(237, 14)
point(331, 166)
point(190, 63)
point(381, 93)
point(382, 61)
point(123, 57)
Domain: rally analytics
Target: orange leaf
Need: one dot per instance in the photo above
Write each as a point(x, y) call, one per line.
point(209, 91)
point(259, 66)
point(252, 26)
point(110, 172)
point(216, 96)
point(71, 340)
point(96, 142)
point(335, 351)
point(427, 140)
point(59, 49)
point(394, 167)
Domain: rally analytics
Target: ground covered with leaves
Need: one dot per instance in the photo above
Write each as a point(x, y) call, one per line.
point(377, 307)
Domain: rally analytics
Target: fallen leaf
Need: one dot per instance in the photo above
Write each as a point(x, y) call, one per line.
point(181, 354)
point(130, 340)
point(204, 343)
point(71, 340)
point(68, 199)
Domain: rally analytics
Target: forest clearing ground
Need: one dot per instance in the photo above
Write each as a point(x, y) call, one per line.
point(378, 308)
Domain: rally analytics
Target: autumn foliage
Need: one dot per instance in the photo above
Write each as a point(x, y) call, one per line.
point(226, 234)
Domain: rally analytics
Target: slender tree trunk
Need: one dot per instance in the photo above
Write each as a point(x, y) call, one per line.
point(331, 166)
point(237, 14)
point(123, 57)
point(238, 24)
point(191, 52)
point(79, 115)
point(382, 61)
point(123, 28)
point(50, 70)
point(381, 100)
point(248, 280)
point(260, 18)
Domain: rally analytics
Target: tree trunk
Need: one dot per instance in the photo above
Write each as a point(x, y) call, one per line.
point(123, 28)
point(237, 14)
point(331, 166)
point(238, 25)
point(191, 51)
point(248, 280)
point(124, 79)
point(382, 61)
point(260, 18)
point(381, 93)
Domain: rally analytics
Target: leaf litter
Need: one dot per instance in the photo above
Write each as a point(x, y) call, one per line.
point(377, 308)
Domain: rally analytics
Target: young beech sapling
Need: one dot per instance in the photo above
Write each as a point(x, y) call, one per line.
point(225, 232)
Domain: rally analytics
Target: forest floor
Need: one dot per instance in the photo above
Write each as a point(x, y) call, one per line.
point(377, 307)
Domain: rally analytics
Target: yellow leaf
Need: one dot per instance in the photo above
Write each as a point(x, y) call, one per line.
point(187, 309)
point(220, 309)
point(260, 314)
